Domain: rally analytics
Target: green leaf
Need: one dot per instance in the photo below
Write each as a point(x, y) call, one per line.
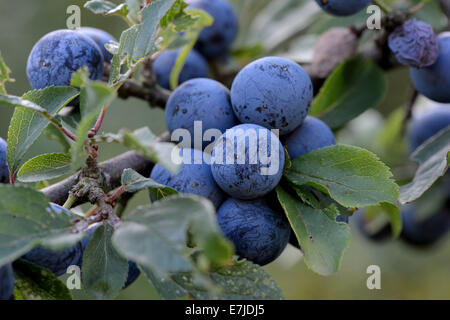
point(26, 125)
point(26, 221)
point(146, 143)
point(151, 15)
point(134, 182)
point(45, 167)
point(95, 95)
point(53, 134)
point(323, 240)
point(198, 20)
point(352, 88)
point(176, 9)
point(352, 176)
point(242, 281)
point(138, 42)
point(434, 159)
point(390, 141)
point(100, 6)
point(104, 270)
point(155, 236)
point(4, 75)
point(36, 283)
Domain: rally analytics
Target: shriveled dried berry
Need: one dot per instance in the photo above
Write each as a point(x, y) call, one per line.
point(414, 44)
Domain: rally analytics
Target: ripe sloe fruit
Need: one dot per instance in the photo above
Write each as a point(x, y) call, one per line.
point(133, 273)
point(6, 282)
point(60, 53)
point(239, 161)
point(202, 100)
point(426, 232)
point(101, 38)
point(342, 7)
point(427, 125)
point(381, 234)
point(192, 178)
point(258, 233)
point(214, 41)
point(433, 81)
point(414, 44)
point(311, 135)
point(272, 92)
point(195, 67)
point(4, 171)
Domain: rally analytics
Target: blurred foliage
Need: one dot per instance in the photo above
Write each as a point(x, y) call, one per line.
point(283, 27)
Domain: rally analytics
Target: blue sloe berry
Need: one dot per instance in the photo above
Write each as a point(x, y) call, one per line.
point(272, 92)
point(195, 67)
point(433, 81)
point(311, 135)
point(133, 273)
point(247, 161)
point(192, 178)
point(342, 7)
point(4, 171)
point(425, 126)
point(258, 233)
point(6, 282)
point(101, 38)
point(215, 41)
point(57, 55)
point(202, 100)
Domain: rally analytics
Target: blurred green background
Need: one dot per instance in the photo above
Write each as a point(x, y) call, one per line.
point(407, 273)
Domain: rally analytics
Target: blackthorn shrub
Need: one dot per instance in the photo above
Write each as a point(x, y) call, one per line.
point(195, 67)
point(241, 170)
point(57, 55)
point(258, 233)
point(272, 92)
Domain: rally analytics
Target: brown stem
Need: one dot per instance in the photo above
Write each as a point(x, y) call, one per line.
point(115, 195)
point(112, 169)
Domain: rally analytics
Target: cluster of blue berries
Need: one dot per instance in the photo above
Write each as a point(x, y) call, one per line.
point(269, 93)
point(419, 231)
